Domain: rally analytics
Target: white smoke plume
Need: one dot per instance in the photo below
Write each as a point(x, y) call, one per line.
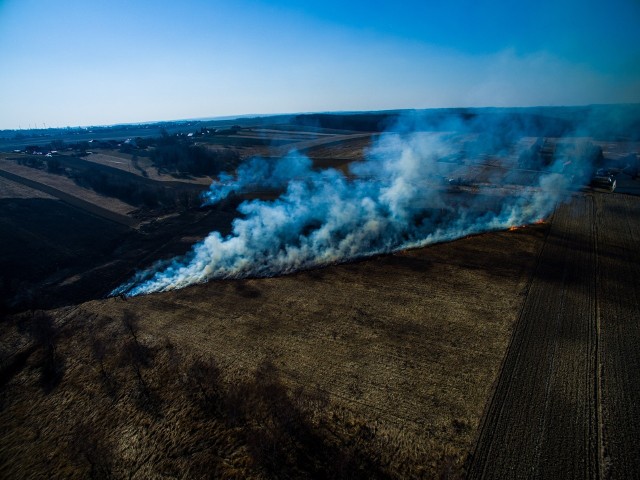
point(256, 173)
point(397, 198)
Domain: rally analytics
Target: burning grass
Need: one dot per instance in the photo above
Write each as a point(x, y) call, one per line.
point(375, 368)
point(390, 203)
point(540, 221)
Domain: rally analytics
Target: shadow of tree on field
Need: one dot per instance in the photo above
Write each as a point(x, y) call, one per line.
point(279, 435)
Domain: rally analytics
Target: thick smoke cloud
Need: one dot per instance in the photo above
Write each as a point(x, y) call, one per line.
point(258, 172)
point(397, 198)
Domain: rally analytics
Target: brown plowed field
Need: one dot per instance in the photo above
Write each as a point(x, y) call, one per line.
point(619, 308)
point(549, 410)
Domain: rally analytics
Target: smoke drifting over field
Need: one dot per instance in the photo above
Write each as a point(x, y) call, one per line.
point(396, 199)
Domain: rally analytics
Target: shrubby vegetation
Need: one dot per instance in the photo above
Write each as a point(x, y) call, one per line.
point(134, 192)
point(129, 191)
point(32, 162)
point(177, 155)
point(181, 158)
point(51, 164)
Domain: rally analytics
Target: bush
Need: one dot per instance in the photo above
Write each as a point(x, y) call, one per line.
point(129, 191)
point(192, 159)
point(31, 162)
point(53, 165)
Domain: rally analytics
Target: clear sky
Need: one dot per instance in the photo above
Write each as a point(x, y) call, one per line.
point(93, 62)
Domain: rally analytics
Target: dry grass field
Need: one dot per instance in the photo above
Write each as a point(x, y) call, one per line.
point(379, 368)
point(140, 166)
point(508, 354)
point(66, 186)
point(11, 189)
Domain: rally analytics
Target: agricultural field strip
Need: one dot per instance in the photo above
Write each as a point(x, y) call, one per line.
point(120, 162)
point(618, 148)
point(301, 133)
point(126, 165)
point(352, 148)
point(306, 145)
point(543, 415)
point(66, 185)
point(72, 200)
point(275, 137)
point(619, 294)
point(82, 164)
point(12, 189)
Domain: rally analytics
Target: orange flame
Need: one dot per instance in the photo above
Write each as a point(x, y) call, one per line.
point(518, 227)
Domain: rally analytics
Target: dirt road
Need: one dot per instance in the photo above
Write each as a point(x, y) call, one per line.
point(554, 413)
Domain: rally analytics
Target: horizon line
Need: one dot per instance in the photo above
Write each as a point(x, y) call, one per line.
point(320, 112)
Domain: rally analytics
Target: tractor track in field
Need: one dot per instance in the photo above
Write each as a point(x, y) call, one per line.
point(619, 295)
point(567, 402)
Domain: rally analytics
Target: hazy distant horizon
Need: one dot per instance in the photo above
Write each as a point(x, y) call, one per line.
point(70, 63)
point(223, 118)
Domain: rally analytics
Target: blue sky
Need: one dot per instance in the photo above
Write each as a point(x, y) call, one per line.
point(75, 62)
